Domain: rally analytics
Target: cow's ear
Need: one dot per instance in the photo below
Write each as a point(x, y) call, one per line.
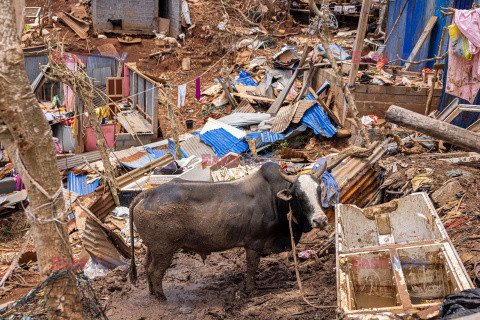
point(284, 195)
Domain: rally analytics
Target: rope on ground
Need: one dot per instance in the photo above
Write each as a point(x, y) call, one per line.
point(297, 273)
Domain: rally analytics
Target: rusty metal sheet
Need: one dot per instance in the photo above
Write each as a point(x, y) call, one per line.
point(302, 106)
point(283, 118)
point(98, 245)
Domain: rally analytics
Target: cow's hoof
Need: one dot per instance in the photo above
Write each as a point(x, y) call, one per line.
point(160, 296)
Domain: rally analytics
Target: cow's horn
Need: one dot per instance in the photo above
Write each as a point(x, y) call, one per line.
point(319, 173)
point(290, 179)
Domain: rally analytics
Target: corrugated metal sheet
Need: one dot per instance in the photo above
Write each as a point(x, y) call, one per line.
point(244, 107)
point(32, 66)
point(302, 106)
point(68, 162)
point(194, 146)
point(38, 79)
point(215, 124)
point(134, 158)
point(78, 184)
point(223, 142)
point(411, 25)
point(283, 118)
point(316, 119)
point(171, 147)
point(134, 123)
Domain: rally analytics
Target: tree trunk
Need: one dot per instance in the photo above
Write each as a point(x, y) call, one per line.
point(435, 128)
point(28, 139)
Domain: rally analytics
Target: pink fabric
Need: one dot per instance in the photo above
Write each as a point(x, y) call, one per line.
point(197, 88)
point(58, 147)
point(126, 79)
point(468, 23)
point(18, 183)
point(463, 77)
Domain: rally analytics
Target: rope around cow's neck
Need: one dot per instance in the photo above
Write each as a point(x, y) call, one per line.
point(294, 249)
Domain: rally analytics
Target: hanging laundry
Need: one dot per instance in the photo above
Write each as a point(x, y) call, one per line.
point(463, 77)
point(182, 93)
point(197, 88)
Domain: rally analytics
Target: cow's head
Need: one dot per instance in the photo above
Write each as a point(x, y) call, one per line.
point(304, 197)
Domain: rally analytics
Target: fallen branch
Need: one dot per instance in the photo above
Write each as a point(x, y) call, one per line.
point(353, 151)
point(401, 148)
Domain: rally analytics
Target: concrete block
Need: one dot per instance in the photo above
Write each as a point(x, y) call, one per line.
point(376, 89)
point(417, 91)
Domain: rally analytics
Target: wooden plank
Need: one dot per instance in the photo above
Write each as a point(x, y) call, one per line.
point(227, 92)
point(358, 45)
point(426, 32)
point(80, 27)
point(248, 96)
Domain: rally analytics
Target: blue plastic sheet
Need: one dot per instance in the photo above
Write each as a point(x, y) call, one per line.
point(245, 79)
point(330, 190)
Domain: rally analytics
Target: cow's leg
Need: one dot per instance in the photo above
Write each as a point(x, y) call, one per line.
point(253, 258)
point(159, 263)
point(147, 262)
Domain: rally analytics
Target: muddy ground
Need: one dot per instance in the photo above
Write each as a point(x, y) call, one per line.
point(215, 289)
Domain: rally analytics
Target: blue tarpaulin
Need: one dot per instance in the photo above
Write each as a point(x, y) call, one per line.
point(330, 190)
point(245, 79)
point(222, 142)
point(78, 184)
point(316, 119)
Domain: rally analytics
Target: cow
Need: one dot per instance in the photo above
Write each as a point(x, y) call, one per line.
point(207, 217)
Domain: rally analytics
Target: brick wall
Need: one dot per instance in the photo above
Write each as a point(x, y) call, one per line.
point(375, 99)
point(137, 15)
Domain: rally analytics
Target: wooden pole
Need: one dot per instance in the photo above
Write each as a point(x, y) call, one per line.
point(396, 21)
point(333, 63)
point(426, 32)
point(27, 137)
point(435, 75)
point(173, 123)
point(434, 128)
point(358, 45)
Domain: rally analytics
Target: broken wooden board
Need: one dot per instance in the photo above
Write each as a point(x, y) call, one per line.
point(107, 49)
point(397, 259)
point(79, 26)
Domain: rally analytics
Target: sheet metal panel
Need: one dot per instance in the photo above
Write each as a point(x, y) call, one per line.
point(317, 119)
point(78, 184)
point(68, 162)
point(134, 123)
point(194, 146)
point(223, 142)
point(32, 66)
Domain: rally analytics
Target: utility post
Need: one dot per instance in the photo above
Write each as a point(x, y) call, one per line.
point(173, 122)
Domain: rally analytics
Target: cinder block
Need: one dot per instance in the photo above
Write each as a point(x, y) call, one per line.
point(396, 90)
point(385, 97)
point(360, 87)
point(417, 91)
point(376, 89)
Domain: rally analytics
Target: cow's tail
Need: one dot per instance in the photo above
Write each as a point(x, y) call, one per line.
point(133, 267)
